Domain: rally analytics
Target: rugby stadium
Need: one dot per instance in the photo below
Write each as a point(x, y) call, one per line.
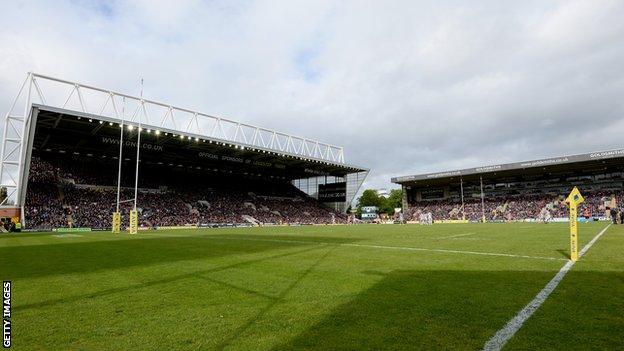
point(233, 236)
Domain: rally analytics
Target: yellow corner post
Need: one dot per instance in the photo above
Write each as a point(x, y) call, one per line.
point(574, 199)
point(116, 222)
point(134, 222)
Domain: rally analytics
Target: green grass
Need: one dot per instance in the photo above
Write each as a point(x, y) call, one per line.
point(320, 288)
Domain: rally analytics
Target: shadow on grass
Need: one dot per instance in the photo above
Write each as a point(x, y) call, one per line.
point(172, 279)
point(83, 257)
point(273, 302)
point(424, 310)
point(564, 253)
point(22, 235)
point(7, 236)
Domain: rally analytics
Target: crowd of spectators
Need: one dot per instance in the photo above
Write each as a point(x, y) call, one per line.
point(43, 205)
point(41, 172)
point(60, 195)
point(518, 207)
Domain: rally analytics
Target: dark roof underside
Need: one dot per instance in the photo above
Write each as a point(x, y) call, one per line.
point(61, 133)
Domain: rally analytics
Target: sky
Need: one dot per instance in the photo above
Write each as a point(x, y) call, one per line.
point(406, 87)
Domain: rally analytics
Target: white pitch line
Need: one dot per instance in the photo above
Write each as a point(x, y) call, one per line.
point(455, 251)
point(391, 247)
point(455, 236)
point(513, 325)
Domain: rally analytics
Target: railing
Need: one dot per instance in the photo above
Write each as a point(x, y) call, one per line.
point(97, 101)
point(85, 99)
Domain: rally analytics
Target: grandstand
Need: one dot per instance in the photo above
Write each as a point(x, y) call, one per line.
point(521, 191)
point(60, 163)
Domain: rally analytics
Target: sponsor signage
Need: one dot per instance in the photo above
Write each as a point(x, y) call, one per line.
point(334, 192)
point(517, 165)
point(176, 227)
point(314, 171)
point(369, 212)
point(430, 194)
point(370, 209)
point(130, 143)
point(211, 156)
point(69, 230)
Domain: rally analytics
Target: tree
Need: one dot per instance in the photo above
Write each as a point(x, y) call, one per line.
point(396, 198)
point(393, 201)
point(369, 198)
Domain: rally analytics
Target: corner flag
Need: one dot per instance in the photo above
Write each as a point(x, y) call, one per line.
point(574, 199)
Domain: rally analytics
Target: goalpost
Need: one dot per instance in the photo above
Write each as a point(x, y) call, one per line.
point(133, 226)
point(117, 213)
point(134, 215)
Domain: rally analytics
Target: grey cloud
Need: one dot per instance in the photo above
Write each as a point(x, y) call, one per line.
point(405, 86)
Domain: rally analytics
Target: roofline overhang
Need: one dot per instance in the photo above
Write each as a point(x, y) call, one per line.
point(217, 140)
point(514, 166)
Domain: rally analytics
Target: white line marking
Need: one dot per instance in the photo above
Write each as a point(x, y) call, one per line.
point(370, 246)
point(509, 330)
point(454, 251)
point(455, 236)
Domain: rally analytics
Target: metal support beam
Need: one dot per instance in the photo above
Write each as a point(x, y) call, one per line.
point(55, 93)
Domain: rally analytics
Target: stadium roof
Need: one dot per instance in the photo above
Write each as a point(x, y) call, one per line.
point(67, 95)
point(573, 163)
point(63, 116)
point(61, 131)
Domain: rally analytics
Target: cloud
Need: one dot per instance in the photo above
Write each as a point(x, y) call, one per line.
point(405, 86)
